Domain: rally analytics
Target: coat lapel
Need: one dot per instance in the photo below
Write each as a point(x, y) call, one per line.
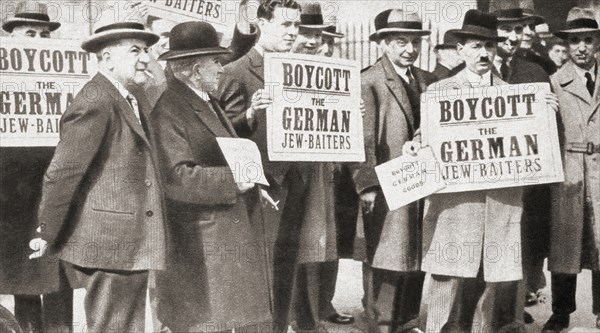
point(398, 91)
point(257, 64)
point(418, 74)
point(596, 100)
point(124, 107)
point(200, 108)
point(571, 83)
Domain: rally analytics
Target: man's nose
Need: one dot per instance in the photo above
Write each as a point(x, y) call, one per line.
point(144, 58)
point(410, 48)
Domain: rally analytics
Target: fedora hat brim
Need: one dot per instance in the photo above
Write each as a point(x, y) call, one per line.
point(11, 23)
point(377, 34)
point(95, 42)
point(173, 55)
point(564, 34)
point(314, 26)
point(482, 36)
point(333, 34)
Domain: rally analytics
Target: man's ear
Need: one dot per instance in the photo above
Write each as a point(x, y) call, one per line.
point(107, 58)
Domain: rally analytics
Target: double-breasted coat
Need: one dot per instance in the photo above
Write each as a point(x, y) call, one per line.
point(393, 238)
point(465, 231)
point(575, 224)
point(216, 277)
point(102, 204)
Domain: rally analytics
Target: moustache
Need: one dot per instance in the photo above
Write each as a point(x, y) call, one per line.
point(484, 59)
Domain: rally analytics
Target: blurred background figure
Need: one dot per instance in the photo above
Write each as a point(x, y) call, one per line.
point(448, 59)
point(557, 51)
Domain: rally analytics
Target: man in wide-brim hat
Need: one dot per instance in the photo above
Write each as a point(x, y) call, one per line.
point(205, 205)
point(391, 90)
point(30, 20)
point(575, 223)
point(104, 140)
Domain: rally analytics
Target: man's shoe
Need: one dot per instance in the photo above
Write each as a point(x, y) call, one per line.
point(556, 323)
point(341, 319)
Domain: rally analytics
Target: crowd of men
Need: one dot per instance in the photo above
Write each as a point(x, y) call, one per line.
point(142, 177)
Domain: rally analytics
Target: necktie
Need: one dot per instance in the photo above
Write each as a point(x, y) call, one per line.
point(412, 83)
point(416, 97)
point(504, 69)
point(590, 83)
point(134, 105)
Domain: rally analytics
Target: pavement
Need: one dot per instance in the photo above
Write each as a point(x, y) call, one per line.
point(348, 300)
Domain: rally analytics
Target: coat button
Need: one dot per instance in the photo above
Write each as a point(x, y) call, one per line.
point(148, 183)
point(149, 213)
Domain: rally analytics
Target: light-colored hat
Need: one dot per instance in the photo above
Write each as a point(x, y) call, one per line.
point(579, 20)
point(397, 20)
point(30, 13)
point(116, 31)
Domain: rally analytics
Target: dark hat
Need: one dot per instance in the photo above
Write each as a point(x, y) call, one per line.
point(30, 13)
point(190, 39)
point(579, 20)
point(116, 31)
point(397, 20)
point(331, 32)
point(311, 16)
point(479, 25)
point(515, 15)
point(450, 41)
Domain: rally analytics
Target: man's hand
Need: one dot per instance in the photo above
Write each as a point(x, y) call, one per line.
point(244, 187)
point(411, 148)
point(39, 247)
point(552, 100)
point(367, 201)
point(260, 101)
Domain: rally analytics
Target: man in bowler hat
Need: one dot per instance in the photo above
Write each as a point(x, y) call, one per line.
point(101, 207)
point(448, 60)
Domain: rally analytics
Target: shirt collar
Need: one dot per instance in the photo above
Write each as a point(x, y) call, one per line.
point(203, 95)
point(120, 87)
point(477, 80)
point(401, 71)
point(581, 72)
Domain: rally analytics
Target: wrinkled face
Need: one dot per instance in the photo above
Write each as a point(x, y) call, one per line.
point(403, 49)
point(328, 47)
point(162, 28)
point(208, 69)
point(309, 41)
point(514, 36)
point(280, 33)
point(558, 53)
point(477, 54)
point(31, 31)
point(582, 47)
point(127, 60)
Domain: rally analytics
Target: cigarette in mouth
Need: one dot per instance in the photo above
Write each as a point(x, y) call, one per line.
point(147, 72)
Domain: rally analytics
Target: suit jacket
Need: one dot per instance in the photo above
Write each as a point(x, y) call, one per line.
point(101, 203)
point(216, 275)
point(459, 227)
point(575, 235)
point(441, 72)
point(393, 239)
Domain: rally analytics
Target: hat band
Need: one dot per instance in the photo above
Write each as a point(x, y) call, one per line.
point(311, 19)
point(120, 25)
point(478, 30)
point(405, 25)
point(582, 23)
point(514, 13)
point(33, 16)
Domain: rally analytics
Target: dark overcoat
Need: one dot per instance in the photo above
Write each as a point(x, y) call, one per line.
point(393, 238)
point(216, 276)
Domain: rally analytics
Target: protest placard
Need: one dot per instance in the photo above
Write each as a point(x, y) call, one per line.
point(492, 137)
point(315, 115)
point(243, 158)
point(38, 81)
point(406, 179)
point(211, 11)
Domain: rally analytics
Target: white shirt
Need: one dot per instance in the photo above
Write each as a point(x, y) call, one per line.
point(477, 80)
point(581, 73)
point(125, 93)
point(402, 72)
point(203, 95)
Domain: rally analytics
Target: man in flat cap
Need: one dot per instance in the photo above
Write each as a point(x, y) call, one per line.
point(575, 223)
point(101, 208)
point(21, 175)
point(391, 90)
